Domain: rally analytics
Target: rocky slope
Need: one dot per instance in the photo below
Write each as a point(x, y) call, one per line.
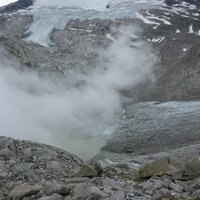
point(32, 163)
point(175, 33)
point(37, 171)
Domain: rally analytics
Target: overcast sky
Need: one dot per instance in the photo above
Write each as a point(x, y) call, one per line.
point(4, 2)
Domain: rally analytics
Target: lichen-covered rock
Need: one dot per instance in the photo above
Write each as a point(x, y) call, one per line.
point(89, 192)
point(96, 165)
point(196, 193)
point(176, 187)
point(49, 188)
point(165, 193)
point(192, 169)
point(158, 167)
point(119, 195)
point(87, 171)
point(53, 197)
point(24, 190)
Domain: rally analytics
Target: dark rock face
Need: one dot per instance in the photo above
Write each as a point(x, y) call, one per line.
point(174, 33)
point(20, 4)
point(174, 2)
point(15, 25)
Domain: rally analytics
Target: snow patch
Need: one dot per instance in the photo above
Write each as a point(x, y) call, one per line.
point(109, 36)
point(159, 19)
point(161, 39)
point(196, 14)
point(192, 7)
point(191, 29)
point(146, 20)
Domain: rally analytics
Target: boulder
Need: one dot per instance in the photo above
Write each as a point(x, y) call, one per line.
point(24, 190)
point(76, 180)
point(50, 188)
point(159, 167)
point(87, 171)
point(119, 195)
point(196, 193)
point(83, 192)
point(192, 169)
point(151, 185)
point(53, 197)
point(96, 193)
point(164, 193)
point(96, 165)
point(176, 187)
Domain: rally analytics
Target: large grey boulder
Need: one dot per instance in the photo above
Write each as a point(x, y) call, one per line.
point(21, 191)
point(50, 188)
point(159, 167)
point(87, 171)
point(89, 192)
point(53, 197)
point(192, 169)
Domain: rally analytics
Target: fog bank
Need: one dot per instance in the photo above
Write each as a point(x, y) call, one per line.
point(53, 109)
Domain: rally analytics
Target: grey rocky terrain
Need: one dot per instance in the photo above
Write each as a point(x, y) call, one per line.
point(152, 127)
point(31, 163)
point(176, 36)
point(37, 171)
point(147, 167)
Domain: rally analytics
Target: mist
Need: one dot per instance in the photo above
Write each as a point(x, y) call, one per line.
point(52, 109)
